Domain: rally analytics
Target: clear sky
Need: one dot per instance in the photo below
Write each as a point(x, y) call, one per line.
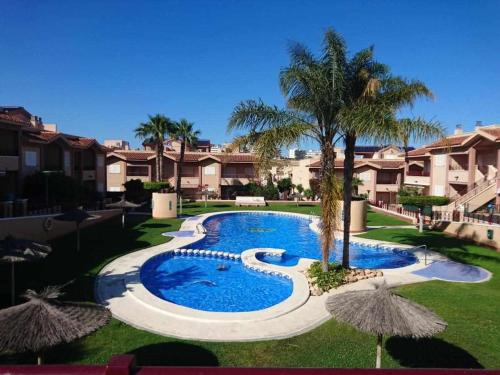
point(97, 68)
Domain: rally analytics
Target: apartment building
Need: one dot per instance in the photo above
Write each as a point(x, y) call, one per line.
point(27, 145)
point(463, 167)
point(221, 173)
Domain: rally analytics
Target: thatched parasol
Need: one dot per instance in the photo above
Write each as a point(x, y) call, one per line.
point(123, 204)
point(77, 216)
point(15, 250)
point(43, 322)
point(381, 312)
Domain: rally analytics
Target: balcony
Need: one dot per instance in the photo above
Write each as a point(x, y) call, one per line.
point(458, 176)
point(229, 179)
point(88, 175)
point(190, 182)
point(387, 187)
point(418, 173)
point(9, 163)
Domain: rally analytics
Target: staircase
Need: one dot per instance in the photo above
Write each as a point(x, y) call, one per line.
point(481, 194)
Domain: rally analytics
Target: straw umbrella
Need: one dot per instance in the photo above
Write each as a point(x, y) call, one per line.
point(123, 204)
point(44, 322)
point(381, 312)
point(77, 216)
point(15, 250)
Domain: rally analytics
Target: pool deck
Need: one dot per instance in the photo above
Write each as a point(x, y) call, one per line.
point(119, 288)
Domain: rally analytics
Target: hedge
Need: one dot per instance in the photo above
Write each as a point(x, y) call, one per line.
point(157, 186)
point(423, 201)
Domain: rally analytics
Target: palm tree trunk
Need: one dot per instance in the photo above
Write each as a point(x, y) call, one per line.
point(350, 142)
point(179, 168)
point(328, 201)
point(158, 157)
point(160, 162)
point(378, 361)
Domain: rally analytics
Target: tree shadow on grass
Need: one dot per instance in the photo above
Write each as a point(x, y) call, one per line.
point(429, 353)
point(174, 354)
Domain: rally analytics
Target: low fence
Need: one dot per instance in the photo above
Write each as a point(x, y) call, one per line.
point(124, 365)
point(44, 228)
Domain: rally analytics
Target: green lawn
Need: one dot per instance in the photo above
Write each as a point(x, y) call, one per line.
point(470, 309)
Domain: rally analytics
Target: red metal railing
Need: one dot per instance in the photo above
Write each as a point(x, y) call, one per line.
point(124, 365)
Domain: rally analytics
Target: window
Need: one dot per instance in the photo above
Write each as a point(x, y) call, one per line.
point(137, 170)
point(229, 171)
point(114, 169)
point(30, 158)
point(440, 160)
point(100, 161)
point(67, 159)
point(365, 176)
point(439, 190)
point(249, 172)
point(188, 171)
point(210, 170)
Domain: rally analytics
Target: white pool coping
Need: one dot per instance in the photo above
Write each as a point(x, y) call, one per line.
point(118, 287)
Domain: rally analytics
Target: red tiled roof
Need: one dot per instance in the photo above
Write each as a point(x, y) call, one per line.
point(14, 118)
point(418, 152)
point(450, 141)
point(134, 155)
point(494, 132)
point(189, 157)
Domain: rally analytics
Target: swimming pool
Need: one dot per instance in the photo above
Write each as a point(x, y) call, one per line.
point(211, 284)
point(235, 232)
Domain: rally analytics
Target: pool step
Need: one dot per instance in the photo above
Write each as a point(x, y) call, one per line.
point(207, 253)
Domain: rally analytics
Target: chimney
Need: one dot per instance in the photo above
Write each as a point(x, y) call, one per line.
point(458, 129)
point(479, 124)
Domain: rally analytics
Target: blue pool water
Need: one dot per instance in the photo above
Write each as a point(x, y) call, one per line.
point(195, 282)
point(236, 232)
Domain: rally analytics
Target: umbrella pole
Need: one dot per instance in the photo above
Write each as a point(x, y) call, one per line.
point(77, 237)
point(379, 351)
point(39, 358)
point(12, 285)
point(123, 219)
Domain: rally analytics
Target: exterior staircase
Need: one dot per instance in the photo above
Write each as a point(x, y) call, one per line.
point(481, 194)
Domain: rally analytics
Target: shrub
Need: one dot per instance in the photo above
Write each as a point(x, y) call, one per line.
point(308, 193)
point(315, 185)
point(134, 190)
point(156, 186)
point(409, 191)
point(62, 189)
point(423, 201)
point(284, 184)
point(300, 188)
point(330, 279)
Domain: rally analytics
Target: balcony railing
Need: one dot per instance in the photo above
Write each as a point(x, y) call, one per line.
point(237, 175)
point(418, 173)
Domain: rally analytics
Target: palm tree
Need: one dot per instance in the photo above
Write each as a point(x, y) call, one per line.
point(312, 87)
point(417, 129)
point(372, 97)
point(156, 130)
point(185, 134)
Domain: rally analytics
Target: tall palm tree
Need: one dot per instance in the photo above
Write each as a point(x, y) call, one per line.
point(186, 135)
point(312, 87)
point(372, 97)
point(156, 129)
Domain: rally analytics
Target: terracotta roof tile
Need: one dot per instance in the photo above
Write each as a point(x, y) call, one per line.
point(495, 132)
point(450, 141)
point(189, 157)
point(418, 152)
point(135, 155)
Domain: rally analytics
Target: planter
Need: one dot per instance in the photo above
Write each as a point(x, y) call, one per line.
point(358, 215)
point(164, 205)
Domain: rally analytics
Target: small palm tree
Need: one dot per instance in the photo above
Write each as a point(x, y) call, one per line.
point(156, 129)
point(418, 129)
point(185, 134)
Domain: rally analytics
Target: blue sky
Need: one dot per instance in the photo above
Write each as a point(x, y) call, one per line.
point(98, 68)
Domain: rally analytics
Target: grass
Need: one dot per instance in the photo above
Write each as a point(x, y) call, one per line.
point(470, 309)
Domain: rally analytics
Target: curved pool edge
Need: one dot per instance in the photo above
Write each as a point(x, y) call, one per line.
point(117, 282)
